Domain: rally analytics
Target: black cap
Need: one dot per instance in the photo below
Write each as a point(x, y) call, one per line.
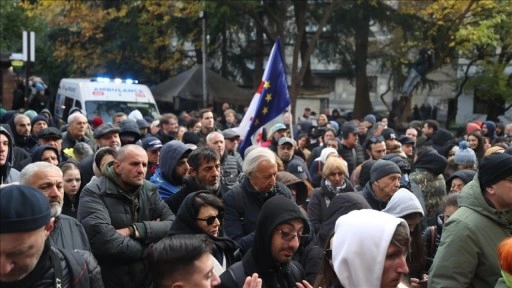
point(105, 129)
point(23, 209)
point(388, 134)
point(50, 132)
point(406, 140)
point(348, 128)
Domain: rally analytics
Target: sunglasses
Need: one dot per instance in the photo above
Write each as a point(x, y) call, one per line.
point(287, 236)
point(210, 220)
point(328, 254)
point(374, 139)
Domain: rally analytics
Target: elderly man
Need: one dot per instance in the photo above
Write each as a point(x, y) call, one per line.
point(467, 255)
point(384, 182)
point(28, 259)
point(243, 203)
point(106, 135)
point(68, 233)
point(123, 214)
point(228, 163)
point(77, 128)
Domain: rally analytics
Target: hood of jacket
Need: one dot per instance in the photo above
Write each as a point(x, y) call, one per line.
point(130, 127)
point(472, 197)
point(37, 152)
point(491, 129)
point(170, 155)
point(432, 162)
point(5, 169)
point(325, 152)
point(403, 203)
point(340, 205)
point(275, 211)
point(361, 240)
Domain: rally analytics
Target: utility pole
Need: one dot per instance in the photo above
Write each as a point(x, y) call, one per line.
point(202, 16)
point(29, 55)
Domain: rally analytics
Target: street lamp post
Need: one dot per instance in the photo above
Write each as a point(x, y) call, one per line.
point(202, 16)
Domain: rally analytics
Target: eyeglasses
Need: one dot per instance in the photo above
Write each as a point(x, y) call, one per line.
point(287, 236)
point(210, 220)
point(328, 254)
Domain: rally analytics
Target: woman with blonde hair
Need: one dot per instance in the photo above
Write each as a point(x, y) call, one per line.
point(333, 182)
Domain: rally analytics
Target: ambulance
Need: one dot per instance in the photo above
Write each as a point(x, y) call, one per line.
point(103, 97)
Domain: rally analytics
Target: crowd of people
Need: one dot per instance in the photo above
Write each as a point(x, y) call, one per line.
point(323, 202)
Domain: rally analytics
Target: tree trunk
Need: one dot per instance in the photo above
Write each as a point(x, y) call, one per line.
point(362, 104)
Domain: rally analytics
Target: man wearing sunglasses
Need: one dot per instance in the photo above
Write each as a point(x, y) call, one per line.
point(280, 230)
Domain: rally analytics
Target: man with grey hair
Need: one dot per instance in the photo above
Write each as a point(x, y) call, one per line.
point(228, 163)
point(244, 201)
point(77, 128)
point(68, 233)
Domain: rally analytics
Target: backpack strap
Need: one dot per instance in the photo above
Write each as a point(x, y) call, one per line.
point(239, 202)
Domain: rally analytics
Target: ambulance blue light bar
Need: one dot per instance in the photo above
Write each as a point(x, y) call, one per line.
point(116, 80)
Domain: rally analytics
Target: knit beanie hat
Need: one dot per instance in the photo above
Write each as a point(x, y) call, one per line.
point(494, 168)
point(37, 119)
point(364, 175)
point(472, 127)
point(370, 118)
point(383, 168)
point(465, 155)
point(23, 209)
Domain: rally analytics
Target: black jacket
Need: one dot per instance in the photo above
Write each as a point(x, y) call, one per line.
point(69, 234)
point(174, 201)
point(259, 258)
point(348, 155)
point(371, 198)
point(72, 264)
point(69, 142)
point(7, 173)
point(240, 227)
point(186, 223)
point(86, 172)
point(105, 207)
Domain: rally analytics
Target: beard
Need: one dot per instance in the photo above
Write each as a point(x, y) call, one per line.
point(56, 209)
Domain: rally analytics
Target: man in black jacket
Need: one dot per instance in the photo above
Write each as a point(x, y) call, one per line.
point(122, 214)
point(28, 258)
point(280, 230)
point(67, 233)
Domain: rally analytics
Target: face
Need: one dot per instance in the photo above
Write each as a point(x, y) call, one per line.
point(263, 178)
point(20, 252)
point(50, 183)
point(181, 169)
point(351, 140)
point(278, 134)
point(50, 157)
point(413, 223)
point(322, 120)
point(377, 150)
point(448, 212)
point(302, 143)
point(207, 120)
point(287, 118)
point(336, 177)
point(473, 142)
point(328, 136)
point(387, 186)
point(501, 194)
point(408, 149)
point(395, 266)
point(72, 181)
point(427, 131)
point(132, 169)
point(412, 133)
point(285, 152)
point(181, 131)
point(457, 185)
point(332, 143)
point(4, 149)
point(22, 126)
point(171, 126)
point(154, 129)
point(38, 126)
point(197, 127)
point(385, 122)
point(484, 129)
point(216, 142)
point(231, 145)
point(208, 175)
point(118, 120)
point(283, 249)
point(230, 118)
point(78, 127)
point(110, 140)
point(205, 212)
point(153, 155)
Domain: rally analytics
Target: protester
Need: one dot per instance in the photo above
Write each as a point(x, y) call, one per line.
point(7, 173)
point(384, 182)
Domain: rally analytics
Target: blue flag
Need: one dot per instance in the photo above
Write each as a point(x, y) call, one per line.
point(270, 100)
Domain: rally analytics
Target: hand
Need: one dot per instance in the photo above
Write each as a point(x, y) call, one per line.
point(304, 284)
point(124, 231)
point(253, 282)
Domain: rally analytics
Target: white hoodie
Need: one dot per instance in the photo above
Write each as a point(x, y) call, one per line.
point(403, 203)
point(360, 244)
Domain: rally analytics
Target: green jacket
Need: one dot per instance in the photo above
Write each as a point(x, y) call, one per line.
point(467, 255)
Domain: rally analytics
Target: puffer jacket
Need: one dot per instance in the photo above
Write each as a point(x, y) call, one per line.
point(348, 155)
point(105, 207)
point(7, 173)
point(72, 263)
point(467, 255)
